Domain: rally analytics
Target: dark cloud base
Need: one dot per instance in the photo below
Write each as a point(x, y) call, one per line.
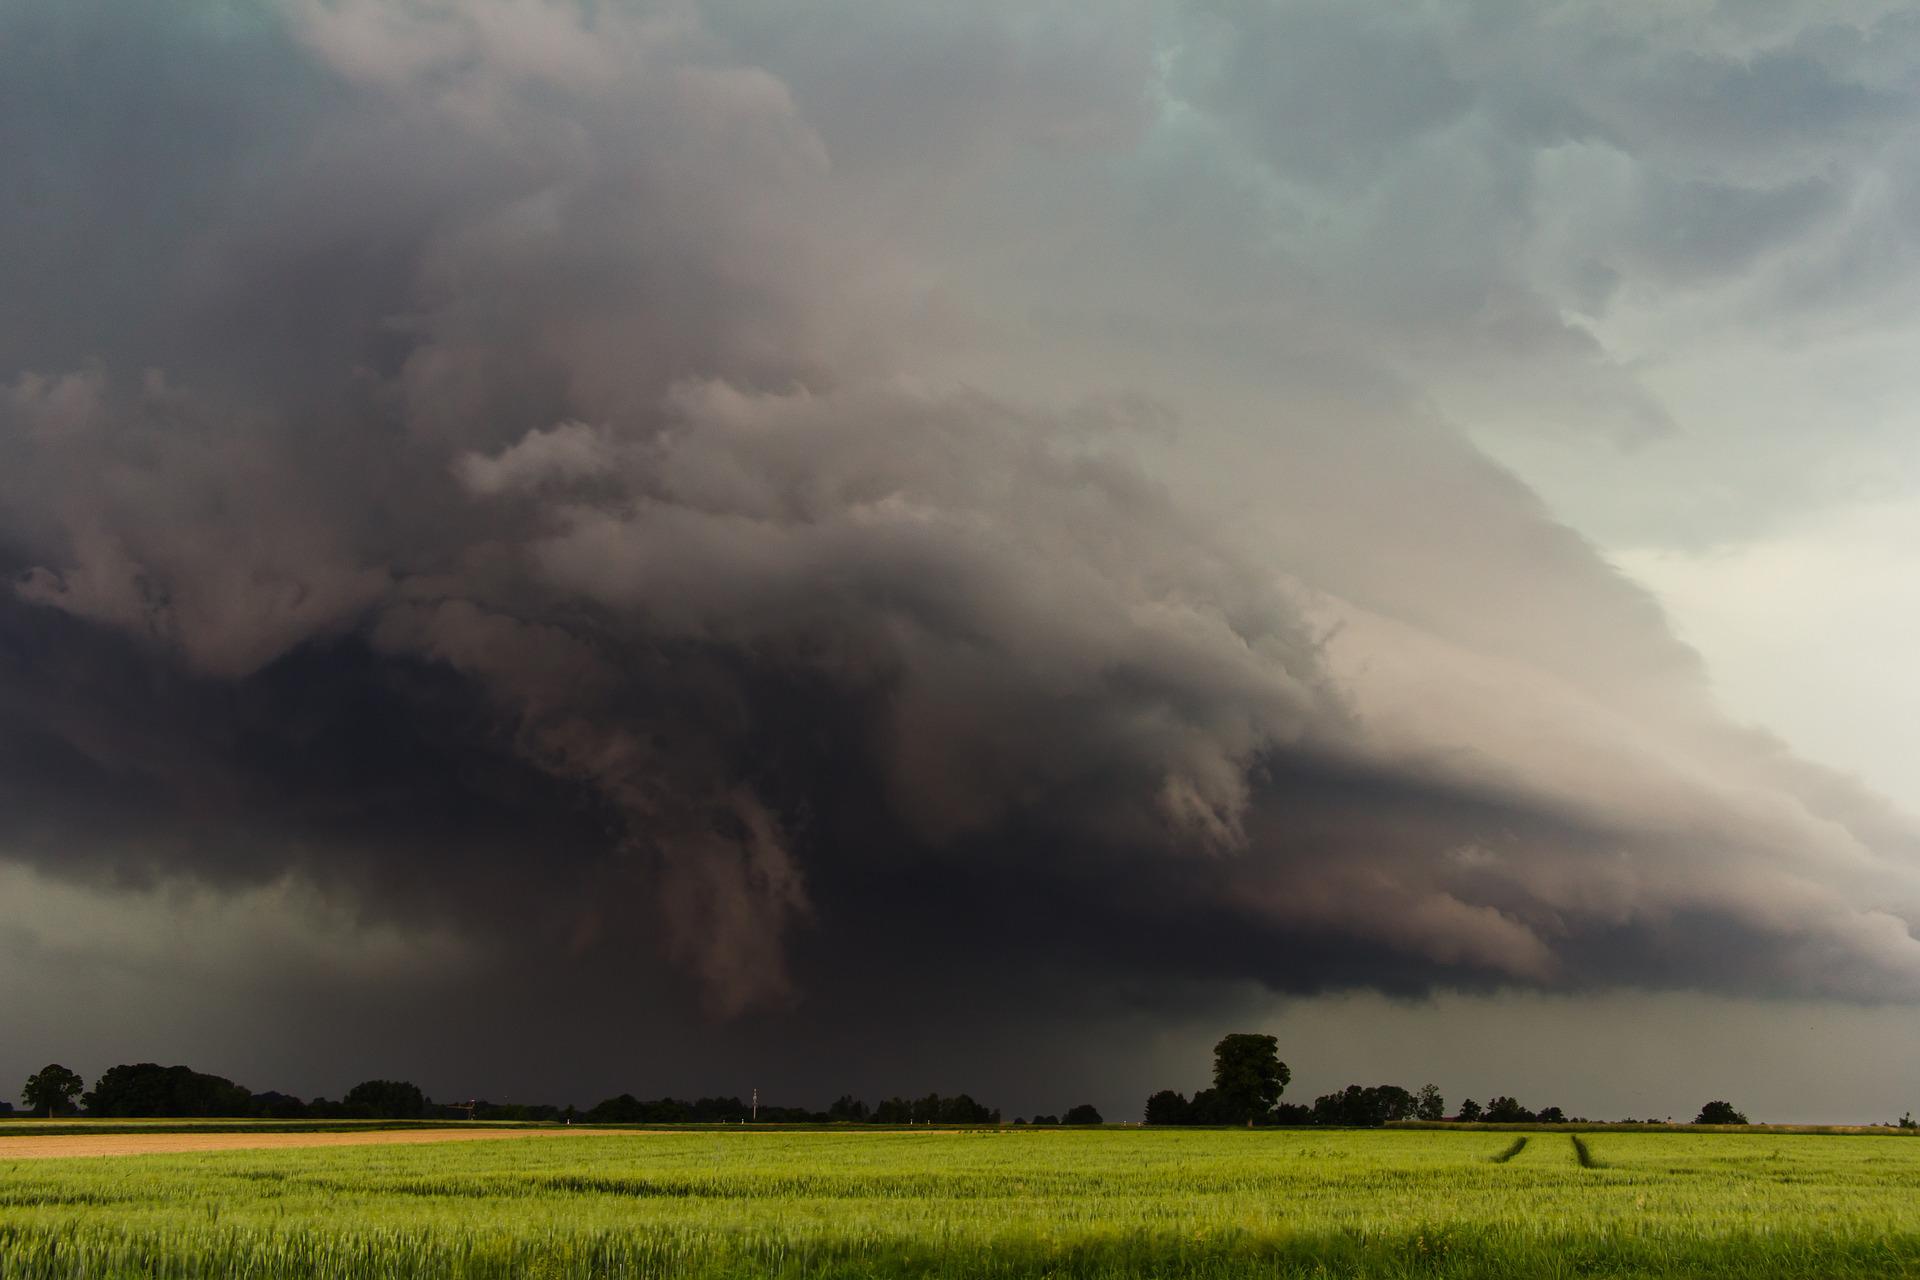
point(396, 784)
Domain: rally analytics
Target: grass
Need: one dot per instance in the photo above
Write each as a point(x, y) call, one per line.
point(1009, 1203)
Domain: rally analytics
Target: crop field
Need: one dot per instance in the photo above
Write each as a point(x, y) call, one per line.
point(1019, 1202)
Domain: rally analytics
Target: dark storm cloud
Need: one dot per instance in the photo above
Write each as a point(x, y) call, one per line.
point(495, 465)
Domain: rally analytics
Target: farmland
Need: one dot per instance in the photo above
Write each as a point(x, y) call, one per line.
point(1009, 1202)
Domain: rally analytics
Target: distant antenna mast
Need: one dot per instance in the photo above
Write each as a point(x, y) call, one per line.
point(756, 1104)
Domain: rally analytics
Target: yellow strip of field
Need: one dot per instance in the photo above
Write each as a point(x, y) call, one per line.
point(54, 1146)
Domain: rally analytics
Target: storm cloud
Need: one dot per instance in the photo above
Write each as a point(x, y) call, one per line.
point(735, 510)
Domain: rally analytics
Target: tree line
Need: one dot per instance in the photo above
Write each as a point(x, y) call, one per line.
point(1248, 1080)
point(934, 1108)
point(148, 1089)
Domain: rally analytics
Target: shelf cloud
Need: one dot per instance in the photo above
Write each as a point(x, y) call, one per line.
point(987, 500)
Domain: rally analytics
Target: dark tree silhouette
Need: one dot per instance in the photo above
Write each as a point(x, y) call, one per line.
point(935, 1109)
point(1210, 1107)
point(1469, 1111)
point(1248, 1076)
point(149, 1089)
point(1504, 1110)
point(1168, 1107)
point(847, 1107)
point(1364, 1107)
point(51, 1089)
point(387, 1099)
point(627, 1109)
point(1720, 1113)
point(274, 1105)
point(1428, 1104)
point(1085, 1113)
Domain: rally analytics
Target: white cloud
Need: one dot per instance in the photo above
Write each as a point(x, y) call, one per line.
point(1812, 631)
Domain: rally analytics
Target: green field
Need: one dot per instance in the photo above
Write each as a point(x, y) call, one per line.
point(1116, 1202)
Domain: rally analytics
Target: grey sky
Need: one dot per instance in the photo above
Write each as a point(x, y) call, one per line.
point(782, 524)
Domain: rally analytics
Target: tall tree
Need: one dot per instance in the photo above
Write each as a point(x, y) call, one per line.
point(1168, 1107)
point(1248, 1075)
point(1428, 1104)
point(1720, 1113)
point(51, 1088)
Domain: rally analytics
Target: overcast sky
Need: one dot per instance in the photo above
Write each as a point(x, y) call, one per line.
point(564, 547)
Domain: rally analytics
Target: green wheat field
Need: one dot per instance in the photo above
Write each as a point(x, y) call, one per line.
point(1112, 1202)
